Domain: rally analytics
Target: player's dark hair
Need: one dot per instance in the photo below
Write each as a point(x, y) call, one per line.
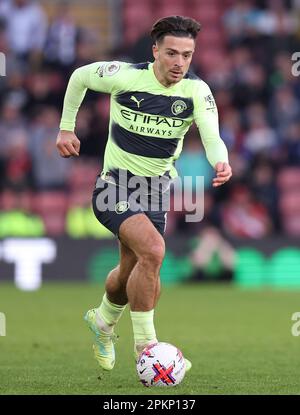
point(179, 26)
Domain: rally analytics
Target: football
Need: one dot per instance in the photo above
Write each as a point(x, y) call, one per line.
point(161, 364)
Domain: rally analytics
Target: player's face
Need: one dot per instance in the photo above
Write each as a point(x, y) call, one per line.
point(173, 57)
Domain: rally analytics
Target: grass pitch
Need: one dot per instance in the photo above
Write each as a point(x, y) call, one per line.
point(239, 342)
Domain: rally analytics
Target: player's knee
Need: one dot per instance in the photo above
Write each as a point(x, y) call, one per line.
point(153, 255)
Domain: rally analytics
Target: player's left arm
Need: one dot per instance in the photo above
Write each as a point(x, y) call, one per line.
point(207, 121)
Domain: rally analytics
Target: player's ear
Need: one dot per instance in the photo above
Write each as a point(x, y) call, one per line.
point(155, 50)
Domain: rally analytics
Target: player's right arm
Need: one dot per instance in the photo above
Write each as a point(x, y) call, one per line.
point(67, 143)
point(98, 76)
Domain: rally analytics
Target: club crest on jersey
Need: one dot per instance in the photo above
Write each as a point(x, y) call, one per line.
point(121, 207)
point(178, 107)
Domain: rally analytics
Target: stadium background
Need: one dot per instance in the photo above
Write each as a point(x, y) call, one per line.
point(250, 234)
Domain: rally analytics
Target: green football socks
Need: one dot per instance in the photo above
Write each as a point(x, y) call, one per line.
point(109, 313)
point(143, 328)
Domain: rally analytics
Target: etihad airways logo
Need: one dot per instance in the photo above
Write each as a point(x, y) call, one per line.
point(151, 119)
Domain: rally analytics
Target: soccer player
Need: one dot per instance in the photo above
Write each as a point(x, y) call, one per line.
point(152, 108)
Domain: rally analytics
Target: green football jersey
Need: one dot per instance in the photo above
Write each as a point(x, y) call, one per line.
point(148, 121)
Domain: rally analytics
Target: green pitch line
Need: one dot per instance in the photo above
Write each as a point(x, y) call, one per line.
point(240, 342)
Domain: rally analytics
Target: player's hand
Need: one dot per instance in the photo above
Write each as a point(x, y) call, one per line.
point(67, 144)
point(223, 174)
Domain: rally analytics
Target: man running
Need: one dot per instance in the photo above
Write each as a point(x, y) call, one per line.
point(152, 108)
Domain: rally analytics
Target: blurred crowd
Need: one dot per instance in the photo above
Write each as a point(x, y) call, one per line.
point(244, 52)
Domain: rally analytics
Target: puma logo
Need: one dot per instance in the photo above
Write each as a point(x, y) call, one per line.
point(138, 102)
